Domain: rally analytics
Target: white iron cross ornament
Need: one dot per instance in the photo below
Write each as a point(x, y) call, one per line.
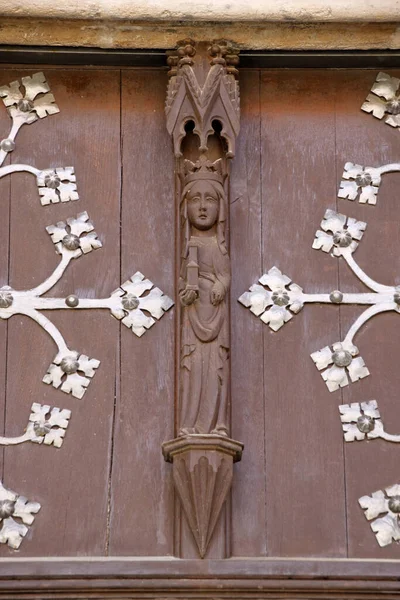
point(276, 300)
point(137, 303)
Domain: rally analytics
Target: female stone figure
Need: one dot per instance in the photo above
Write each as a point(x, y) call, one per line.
point(203, 290)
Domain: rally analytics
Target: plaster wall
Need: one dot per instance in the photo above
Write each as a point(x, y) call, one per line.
point(207, 10)
point(252, 24)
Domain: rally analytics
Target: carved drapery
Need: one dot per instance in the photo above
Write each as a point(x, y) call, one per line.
point(202, 110)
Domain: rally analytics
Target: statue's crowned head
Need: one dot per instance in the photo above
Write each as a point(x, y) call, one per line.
point(203, 199)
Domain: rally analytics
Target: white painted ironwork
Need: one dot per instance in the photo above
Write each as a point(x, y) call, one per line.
point(362, 183)
point(46, 426)
point(384, 99)
point(362, 421)
point(277, 299)
point(386, 503)
point(137, 303)
point(12, 507)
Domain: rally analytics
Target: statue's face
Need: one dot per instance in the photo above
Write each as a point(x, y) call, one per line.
point(202, 205)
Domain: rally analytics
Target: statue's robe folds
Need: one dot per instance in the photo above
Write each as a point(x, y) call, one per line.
point(205, 344)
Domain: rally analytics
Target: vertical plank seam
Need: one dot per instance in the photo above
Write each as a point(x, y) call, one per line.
point(340, 336)
point(117, 378)
point(7, 332)
point(177, 512)
point(260, 157)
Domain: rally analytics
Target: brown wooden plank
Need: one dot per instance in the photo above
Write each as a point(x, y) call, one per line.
point(304, 453)
point(71, 483)
point(249, 536)
point(5, 125)
point(373, 465)
point(142, 493)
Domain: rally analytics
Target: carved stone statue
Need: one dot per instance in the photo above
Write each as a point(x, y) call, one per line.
point(203, 290)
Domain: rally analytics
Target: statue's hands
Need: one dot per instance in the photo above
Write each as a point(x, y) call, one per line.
point(217, 293)
point(188, 296)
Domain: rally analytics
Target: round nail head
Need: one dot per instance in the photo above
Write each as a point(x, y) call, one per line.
point(52, 181)
point(130, 302)
point(69, 365)
point(7, 508)
point(71, 241)
point(42, 429)
point(72, 301)
point(336, 296)
point(393, 106)
point(365, 424)
point(6, 299)
point(342, 238)
point(342, 358)
point(25, 105)
point(280, 297)
point(394, 504)
point(363, 179)
point(7, 145)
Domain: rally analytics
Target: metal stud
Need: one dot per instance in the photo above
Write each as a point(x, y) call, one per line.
point(394, 504)
point(365, 423)
point(7, 145)
point(6, 297)
point(363, 179)
point(343, 239)
point(393, 106)
point(72, 301)
point(280, 297)
point(7, 508)
point(52, 180)
point(71, 241)
point(342, 358)
point(336, 296)
point(25, 105)
point(69, 365)
point(42, 429)
point(130, 302)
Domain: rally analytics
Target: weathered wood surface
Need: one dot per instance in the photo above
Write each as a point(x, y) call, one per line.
point(249, 536)
point(268, 579)
point(374, 465)
point(107, 490)
point(304, 449)
point(71, 483)
point(141, 491)
point(5, 193)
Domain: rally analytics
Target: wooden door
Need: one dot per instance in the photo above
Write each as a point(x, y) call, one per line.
point(108, 491)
